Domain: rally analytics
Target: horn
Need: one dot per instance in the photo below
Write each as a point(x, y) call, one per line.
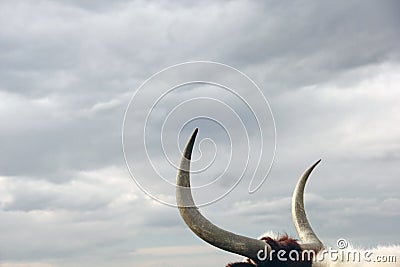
point(203, 228)
point(307, 236)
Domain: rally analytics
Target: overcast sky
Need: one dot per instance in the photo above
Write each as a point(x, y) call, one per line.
point(330, 71)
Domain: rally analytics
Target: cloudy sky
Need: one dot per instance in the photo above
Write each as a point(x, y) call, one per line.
point(68, 69)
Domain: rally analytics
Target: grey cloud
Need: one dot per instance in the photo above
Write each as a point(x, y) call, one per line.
point(30, 196)
point(68, 69)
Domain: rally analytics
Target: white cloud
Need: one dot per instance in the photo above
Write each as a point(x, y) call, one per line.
point(68, 69)
point(26, 264)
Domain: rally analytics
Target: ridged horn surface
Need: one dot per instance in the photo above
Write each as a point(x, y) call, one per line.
point(307, 236)
point(203, 228)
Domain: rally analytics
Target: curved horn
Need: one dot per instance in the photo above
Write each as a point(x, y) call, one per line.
point(307, 236)
point(203, 228)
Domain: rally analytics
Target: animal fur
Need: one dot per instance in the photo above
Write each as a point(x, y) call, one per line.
point(345, 258)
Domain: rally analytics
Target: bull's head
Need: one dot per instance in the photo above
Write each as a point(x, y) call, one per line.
point(257, 251)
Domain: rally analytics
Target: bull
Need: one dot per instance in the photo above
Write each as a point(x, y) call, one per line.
point(282, 251)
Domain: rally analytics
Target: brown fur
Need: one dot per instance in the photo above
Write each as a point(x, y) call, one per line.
point(284, 243)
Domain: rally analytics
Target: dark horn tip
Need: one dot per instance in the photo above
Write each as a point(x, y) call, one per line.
point(189, 147)
point(314, 165)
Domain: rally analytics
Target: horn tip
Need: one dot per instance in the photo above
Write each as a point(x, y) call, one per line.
point(315, 164)
point(194, 134)
point(190, 144)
